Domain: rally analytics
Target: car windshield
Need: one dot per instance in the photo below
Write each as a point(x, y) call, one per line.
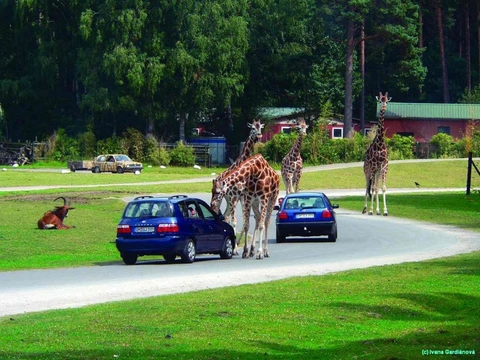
point(303, 202)
point(141, 209)
point(122, 158)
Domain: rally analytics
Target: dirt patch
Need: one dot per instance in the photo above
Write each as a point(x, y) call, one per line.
point(87, 197)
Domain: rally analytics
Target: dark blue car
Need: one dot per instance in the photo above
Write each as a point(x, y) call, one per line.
point(306, 214)
point(172, 226)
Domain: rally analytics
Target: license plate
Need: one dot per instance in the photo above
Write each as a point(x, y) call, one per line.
point(304, 216)
point(144, 229)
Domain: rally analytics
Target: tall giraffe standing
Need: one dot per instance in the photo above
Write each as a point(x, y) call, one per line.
point(375, 165)
point(232, 195)
point(258, 185)
point(292, 163)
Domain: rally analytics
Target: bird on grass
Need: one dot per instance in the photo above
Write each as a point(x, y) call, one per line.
point(417, 184)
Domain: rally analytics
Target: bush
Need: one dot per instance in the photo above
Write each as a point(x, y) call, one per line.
point(182, 155)
point(65, 148)
point(442, 144)
point(155, 154)
point(111, 145)
point(87, 145)
point(400, 147)
point(132, 144)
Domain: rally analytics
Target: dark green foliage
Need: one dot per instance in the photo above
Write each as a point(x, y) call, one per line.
point(87, 145)
point(155, 153)
point(132, 144)
point(400, 147)
point(110, 145)
point(182, 155)
point(443, 144)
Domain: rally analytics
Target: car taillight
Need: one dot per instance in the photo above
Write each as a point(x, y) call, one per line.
point(326, 214)
point(282, 215)
point(123, 229)
point(167, 228)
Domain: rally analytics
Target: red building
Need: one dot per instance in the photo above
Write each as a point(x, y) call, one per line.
point(282, 120)
point(422, 121)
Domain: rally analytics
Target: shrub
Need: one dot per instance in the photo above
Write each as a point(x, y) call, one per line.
point(442, 143)
point(132, 144)
point(155, 153)
point(182, 155)
point(87, 144)
point(110, 145)
point(66, 148)
point(400, 147)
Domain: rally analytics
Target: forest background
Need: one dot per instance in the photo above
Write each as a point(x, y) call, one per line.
point(98, 68)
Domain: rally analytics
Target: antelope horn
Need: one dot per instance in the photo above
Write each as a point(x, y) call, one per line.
point(64, 200)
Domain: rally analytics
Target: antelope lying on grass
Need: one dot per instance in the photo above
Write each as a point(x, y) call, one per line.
point(53, 219)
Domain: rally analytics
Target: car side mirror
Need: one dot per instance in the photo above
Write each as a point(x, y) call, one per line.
point(276, 207)
point(335, 206)
point(221, 217)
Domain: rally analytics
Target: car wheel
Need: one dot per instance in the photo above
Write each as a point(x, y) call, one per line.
point(333, 235)
point(280, 238)
point(227, 251)
point(169, 258)
point(129, 259)
point(96, 170)
point(72, 168)
point(188, 253)
point(119, 170)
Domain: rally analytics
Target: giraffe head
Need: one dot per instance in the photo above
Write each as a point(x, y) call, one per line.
point(220, 189)
point(256, 130)
point(302, 127)
point(383, 99)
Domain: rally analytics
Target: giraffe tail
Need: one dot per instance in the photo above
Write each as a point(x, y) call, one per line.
point(369, 189)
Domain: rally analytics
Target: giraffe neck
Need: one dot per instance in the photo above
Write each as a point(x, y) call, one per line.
point(380, 136)
point(247, 149)
point(297, 146)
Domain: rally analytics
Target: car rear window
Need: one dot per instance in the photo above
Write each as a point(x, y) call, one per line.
point(304, 202)
point(148, 209)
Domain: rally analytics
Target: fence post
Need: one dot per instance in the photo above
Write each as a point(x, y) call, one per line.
point(469, 172)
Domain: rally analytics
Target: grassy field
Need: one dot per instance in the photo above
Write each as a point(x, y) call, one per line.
point(390, 312)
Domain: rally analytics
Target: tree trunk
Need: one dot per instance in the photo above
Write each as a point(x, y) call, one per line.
point(467, 48)
point(438, 12)
point(478, 38)
point(362, 70)
point(347, 133)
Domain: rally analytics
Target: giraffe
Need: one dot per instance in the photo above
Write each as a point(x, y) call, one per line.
point(292, 163)
point(232, 195)
point(375, 165)
point(258, 185)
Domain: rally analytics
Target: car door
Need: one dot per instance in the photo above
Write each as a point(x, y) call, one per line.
point(213, 227)
point(196, 223)
point(110, 164)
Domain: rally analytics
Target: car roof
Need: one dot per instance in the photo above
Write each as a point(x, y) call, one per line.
point(172, 198)
point(305, 194)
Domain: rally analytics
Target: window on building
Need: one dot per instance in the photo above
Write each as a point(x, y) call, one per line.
point(286, 129)
point(406, 134)
point(337, 133)
point(444, 130)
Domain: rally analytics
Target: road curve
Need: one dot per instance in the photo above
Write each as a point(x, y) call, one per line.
point(363, 241)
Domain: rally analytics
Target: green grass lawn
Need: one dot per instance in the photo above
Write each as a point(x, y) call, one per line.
point(388, 312)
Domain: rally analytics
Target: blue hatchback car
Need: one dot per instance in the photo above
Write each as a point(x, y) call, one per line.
point(172, 226)
point(306, 214)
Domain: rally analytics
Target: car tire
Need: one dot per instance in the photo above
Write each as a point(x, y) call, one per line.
point(119, 170)
point(332, 237)
point(72, 168)
point(189, 252)
point(279, 237)
point(96, 170)
point(129, 259)
point(169, 258)
point(227, 251)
